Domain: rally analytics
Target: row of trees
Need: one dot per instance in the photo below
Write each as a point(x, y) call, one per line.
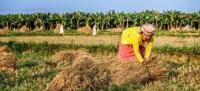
point(165, 20)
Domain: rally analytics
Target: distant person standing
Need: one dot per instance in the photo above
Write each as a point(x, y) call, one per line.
point(196, 24)
point(61, 30)
point(94, 31)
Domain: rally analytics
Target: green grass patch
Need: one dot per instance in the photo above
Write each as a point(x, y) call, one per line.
point(46, 48)
point(35, 70)
point(99, 33)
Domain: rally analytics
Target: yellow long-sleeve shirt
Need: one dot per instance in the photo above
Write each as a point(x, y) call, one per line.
point(134, 37)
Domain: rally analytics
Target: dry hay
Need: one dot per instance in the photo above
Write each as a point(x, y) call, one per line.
point(115, 30)
point(57, 29)
point(4, 49)
point(7, 60)
point(39, 29)
point(4, 30)
point(105, 71)
point(82, 53)
point(70, 55)
point(23, 29)
point(158, 69)
point(190, 74)
point(187, 28)
point(129, 72)
point(64, 56)
point(86, 29)
point(84, 74)
point(134, 72)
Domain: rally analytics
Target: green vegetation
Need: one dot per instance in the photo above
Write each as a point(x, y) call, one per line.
point(34, 71)
point(192, 50)
point(178, 33)
point(51, 33)
point(99, 33)
point(104, 21)
point(46, 48)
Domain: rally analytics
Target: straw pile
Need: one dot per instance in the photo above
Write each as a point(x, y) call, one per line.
point(64, 56)
point(97, 73)
point(84, 74)
point(70, 55)
point(39, 29)
point(4, 30)
point(129, 72)
point(86, 29)
point(57, 29)
point(158, 70)
point(7, 60)
point(3, 49)
point(23, 29)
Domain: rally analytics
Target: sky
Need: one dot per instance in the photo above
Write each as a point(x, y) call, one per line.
point(62, 6)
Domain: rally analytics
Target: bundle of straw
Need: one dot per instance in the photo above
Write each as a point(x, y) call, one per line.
point(84, 74)
point(7, 60)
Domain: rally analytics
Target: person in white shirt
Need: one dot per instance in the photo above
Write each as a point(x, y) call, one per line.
point(61, 29)
point(94, 31)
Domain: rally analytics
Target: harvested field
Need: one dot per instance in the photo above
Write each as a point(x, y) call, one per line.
point(115, 39)
point(48, 48)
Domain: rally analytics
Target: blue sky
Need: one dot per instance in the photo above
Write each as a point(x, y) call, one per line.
point(61, 6)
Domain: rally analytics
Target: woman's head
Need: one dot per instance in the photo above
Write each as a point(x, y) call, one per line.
point(147, 31)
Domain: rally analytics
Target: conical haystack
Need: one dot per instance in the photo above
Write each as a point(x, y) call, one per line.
point(57, 29)
point(86, 29)
point(23, 29)
point(4, 30)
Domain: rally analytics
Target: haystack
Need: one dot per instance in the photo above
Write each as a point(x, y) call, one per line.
point(4, 30)
point(23, 29)
point(39, 29)
point(7, 60)
point(86, 29)
point(66, 55)
point(84, 74)
point(70, 55)
point(36, 29)
point(57, 29)
point(187, 28)
point(4, 49)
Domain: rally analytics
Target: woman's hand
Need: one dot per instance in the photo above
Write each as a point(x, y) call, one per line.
point(146, 61)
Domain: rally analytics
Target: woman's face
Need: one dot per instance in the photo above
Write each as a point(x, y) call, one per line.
point(146, 37)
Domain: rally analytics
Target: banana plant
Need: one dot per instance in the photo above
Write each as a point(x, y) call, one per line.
point(165, 20)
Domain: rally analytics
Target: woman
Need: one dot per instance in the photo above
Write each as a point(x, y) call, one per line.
point(136, 43)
